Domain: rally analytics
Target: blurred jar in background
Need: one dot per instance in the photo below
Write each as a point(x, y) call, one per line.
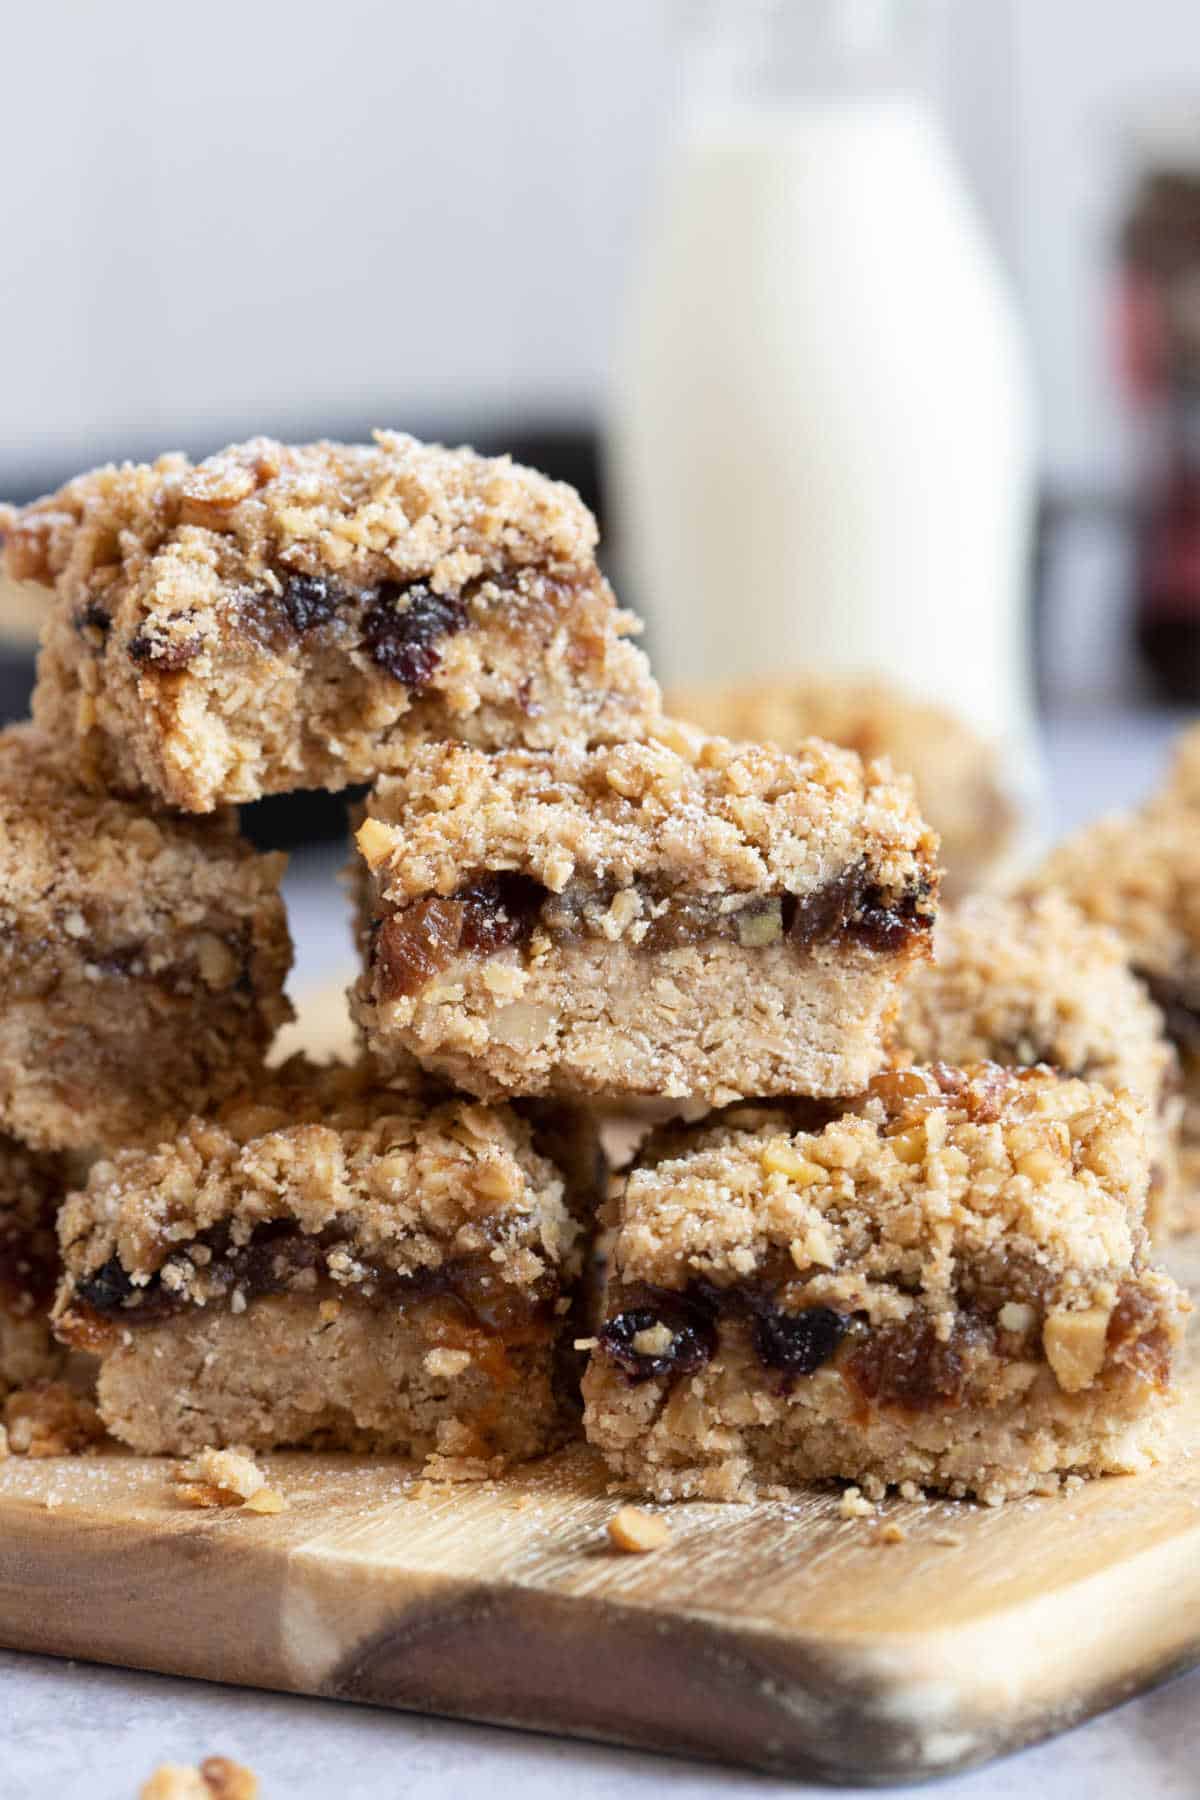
point(1159, 317)
point(822, 441)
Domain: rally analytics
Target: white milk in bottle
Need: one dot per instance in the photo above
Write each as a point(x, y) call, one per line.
point(822, 443)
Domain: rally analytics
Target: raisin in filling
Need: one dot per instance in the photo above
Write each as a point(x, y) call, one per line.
point(794, 1343)
point(691, 1320)
point(494, 911)
point(279, 1258)
point(406, 640)
point(35, 967)
point(906, 1365)
point(309, 601)
point(486, 916)
point(93, 622)
point(401, 626)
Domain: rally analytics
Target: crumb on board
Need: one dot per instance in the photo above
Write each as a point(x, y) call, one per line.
point(635, 1531)
point(463, 1468)
point(890, 1533)
point(49, 1418)
point(226, 1478)
point(949, 1540)
point(217, 1778)
point(855, 1505)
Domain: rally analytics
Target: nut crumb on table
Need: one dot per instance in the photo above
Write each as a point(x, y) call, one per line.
point(217, 1778)
point(890, 1533)
point(226, 1478)
point(637, 1532)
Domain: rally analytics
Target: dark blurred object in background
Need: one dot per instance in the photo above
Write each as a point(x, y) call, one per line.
point(1159, 319)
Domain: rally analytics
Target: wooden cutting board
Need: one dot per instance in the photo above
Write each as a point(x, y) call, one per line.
point(779, 1635)
point(783, 1636)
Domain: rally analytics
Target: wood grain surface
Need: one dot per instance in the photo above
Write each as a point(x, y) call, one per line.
point(782, 1635)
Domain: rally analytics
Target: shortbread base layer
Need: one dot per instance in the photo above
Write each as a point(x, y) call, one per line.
point(292, 1370)
point(711, 1022)
point(730, 1431)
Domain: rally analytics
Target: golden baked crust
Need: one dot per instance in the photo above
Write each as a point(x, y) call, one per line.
point(956, 775)
point(705, 814)
point(1020, 1176)
point(1140, 874)
point(405, 1185)
point(287, 616)
point(1033, 981)
point(142, 956)
point(558, 922)
point(943, 1282)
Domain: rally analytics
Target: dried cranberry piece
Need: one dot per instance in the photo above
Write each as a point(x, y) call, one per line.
point(107, 1289)
point(403, 639)
point(798, 1343)
point(309, 601)
point(693, 1327)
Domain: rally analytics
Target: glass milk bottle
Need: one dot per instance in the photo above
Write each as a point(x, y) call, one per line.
point(821, 441)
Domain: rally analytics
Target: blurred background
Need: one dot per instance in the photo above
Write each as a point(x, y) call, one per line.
point(935, 383)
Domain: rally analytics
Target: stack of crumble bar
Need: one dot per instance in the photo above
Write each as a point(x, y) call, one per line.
point(894, 1243)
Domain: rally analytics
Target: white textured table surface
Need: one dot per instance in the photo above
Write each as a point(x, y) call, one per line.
point(69, 1731)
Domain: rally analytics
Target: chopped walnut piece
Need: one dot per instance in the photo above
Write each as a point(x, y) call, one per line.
point(1075, 1343)
point(375, 842)
point(637, 1532)
point(217, 1778)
